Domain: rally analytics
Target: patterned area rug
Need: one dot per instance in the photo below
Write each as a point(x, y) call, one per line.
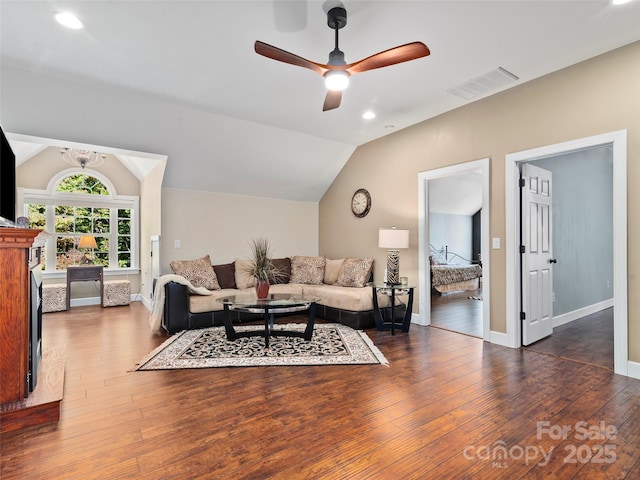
point(332, 344)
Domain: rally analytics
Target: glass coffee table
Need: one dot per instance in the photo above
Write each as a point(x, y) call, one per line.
point(273, 304)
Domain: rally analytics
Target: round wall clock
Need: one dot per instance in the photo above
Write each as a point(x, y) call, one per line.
point(361, 203)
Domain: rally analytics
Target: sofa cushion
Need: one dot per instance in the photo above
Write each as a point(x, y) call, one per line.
point(307, 270)
point(243, 278)
point(283, 265)
point(226, 275)
point(345, 298)
point(199, 272)
point(355, 272)
point(209, 303)
point(331, 270)
point(290, 288)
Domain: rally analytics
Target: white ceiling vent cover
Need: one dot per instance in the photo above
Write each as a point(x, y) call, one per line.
point(483, 84)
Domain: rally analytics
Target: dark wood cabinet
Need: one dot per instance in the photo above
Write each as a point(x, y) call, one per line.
point(16, 260)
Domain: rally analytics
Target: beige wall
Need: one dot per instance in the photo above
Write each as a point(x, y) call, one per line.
point(223, 225)
point(597, 96)
point(38, 171)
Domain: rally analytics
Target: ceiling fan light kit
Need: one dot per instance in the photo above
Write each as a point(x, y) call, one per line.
point(337, 72)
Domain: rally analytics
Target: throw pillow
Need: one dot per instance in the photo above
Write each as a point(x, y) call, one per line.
point(355, 272)
point(331, 270)
point(307, 270)
point(243, 278)
point(283, 265)
point(199, 272)
point(226, 275)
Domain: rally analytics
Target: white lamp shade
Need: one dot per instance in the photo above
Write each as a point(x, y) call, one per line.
point(393, 239)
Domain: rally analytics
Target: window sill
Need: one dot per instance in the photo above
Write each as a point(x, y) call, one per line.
point(108, 272)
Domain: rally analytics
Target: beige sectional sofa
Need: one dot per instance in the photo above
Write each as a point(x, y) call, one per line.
point(339, 285)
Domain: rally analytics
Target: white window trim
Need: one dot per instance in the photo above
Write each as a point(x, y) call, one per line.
point(113, 200)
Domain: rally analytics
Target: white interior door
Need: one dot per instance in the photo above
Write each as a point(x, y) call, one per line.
point(537, 255)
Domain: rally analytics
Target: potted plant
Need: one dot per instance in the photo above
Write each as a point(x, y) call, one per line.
point(261, 267)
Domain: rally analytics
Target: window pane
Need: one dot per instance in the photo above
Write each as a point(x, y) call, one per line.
point(82, 183)
point(124, 227)
point(101, 212)
point(124, 260)
point(101, 258)
point(124, 243)
point(83, 225)
point(64, 224)
point(101, 225)
point(37, 216)
point(124, 213)
point(82, 212)
point(103, 244)
point(62, 210)
point(64, 256)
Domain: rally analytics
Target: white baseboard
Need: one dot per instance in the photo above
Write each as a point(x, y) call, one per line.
point(499, 338)
point(633, 369)
point(581, 312)
point(415, 318)
point(83, 302)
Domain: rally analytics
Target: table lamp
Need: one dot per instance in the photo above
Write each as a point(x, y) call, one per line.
point(88, 242)
point(393, 239)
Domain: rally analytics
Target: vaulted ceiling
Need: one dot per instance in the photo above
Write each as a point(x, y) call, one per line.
point(200, 55)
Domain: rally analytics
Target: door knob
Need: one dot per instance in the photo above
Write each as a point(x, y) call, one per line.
point(553, 260)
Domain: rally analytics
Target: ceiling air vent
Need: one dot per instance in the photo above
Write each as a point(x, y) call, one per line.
point(483, 84)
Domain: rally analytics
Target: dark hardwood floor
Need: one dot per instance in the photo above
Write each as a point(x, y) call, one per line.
point(588, 339)
point(448, 406)
point(457, 312)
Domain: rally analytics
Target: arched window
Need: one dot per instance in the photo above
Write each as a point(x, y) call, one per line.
point(81, 203)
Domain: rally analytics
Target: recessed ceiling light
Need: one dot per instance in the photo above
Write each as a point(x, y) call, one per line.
point(69, 20)
point(368, 115)
point(620, 2)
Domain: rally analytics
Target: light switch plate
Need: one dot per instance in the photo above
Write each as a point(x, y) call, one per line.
point(495, 243)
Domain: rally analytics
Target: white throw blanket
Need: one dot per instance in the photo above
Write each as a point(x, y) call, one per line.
point(157, 306)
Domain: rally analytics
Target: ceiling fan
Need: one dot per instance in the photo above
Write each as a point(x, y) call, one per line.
point(337, 72)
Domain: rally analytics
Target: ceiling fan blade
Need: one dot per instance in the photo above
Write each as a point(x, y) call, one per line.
point(280, 55)
point(332, 100)
point(403, 53)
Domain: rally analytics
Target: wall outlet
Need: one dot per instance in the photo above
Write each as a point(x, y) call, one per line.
point(495, 243)
point(176, 244)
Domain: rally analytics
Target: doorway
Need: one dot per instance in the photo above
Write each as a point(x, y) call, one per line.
point(616, 141)
point(425, 185)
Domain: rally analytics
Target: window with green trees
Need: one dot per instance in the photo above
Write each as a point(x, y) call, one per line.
point(82, 204)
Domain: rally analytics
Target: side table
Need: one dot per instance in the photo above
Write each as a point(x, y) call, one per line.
point(392, 291)
point(84, 273)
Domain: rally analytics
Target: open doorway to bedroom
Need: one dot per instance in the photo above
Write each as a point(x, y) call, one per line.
point(454, 238)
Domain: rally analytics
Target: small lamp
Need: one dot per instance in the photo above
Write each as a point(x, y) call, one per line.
point(393, 239)
point(88, 241)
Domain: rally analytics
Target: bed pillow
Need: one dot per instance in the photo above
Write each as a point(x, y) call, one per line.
point(307, 270)
point(283, 265)
point(355, 272)
point(332, 270)
point(226, 275)
point(199, 272)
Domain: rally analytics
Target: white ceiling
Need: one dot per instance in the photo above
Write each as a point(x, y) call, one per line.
point(200, 54)
point(459, 194)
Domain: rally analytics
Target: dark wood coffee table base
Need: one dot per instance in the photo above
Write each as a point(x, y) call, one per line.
point(267, 313)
